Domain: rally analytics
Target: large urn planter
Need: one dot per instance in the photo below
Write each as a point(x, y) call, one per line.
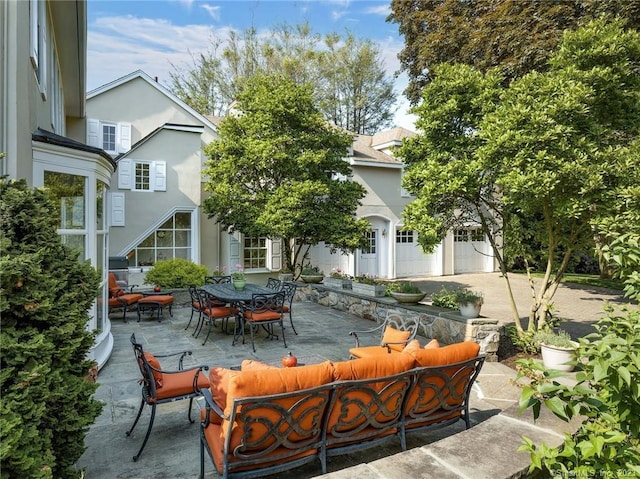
point(373, 290)
point(558, 357)
point(338, 283)
point(407, 298)
point(312, 278)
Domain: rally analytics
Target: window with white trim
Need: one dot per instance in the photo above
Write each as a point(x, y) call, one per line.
point(460, 236)
point(476, 234)
point(404, 236)
point(255, 252)
point(142, 175)
point(113, 137)
point(171, 240)
point(38, 42)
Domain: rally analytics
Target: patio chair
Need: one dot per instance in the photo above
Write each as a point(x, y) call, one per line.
point(196, 307)
point(289, 289)
point(264, 311)
point(217, 279)
point(119, 299)
point(394, 335)
point(275, 284)
point(213, 310)
point(161, 386)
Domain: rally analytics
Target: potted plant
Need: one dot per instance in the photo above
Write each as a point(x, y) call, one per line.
point(311, 274)
point(405, 292)
point(337, 279)
point(238, 278)
point(368, 285)
point(557, 348)
point(469, 302)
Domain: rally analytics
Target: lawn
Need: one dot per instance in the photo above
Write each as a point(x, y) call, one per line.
point(587, 280)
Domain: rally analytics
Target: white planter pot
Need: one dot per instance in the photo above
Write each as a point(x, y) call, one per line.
point(469, 310)
point(337, 283)
point(374, 290)
point(554, 357)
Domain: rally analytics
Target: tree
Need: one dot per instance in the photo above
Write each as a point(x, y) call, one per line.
point(46, 402)
point(546, 158)
point(350, 83)
point(516, 35)
point(276, 171)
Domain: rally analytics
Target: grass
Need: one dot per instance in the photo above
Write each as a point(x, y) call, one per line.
point(586, 280)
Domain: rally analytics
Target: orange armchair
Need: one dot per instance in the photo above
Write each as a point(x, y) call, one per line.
point(119, 299)
point(161, 386)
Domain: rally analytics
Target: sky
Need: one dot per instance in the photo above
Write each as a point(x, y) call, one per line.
point(152, 35)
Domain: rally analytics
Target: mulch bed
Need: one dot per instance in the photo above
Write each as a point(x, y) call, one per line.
point(509, 353)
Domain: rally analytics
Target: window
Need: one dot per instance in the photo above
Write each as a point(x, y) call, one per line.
point(255, 252)
point(171, 240)
point(38, 42)
point(371, 237)
point(460, 236)
point(143, 171)
point(147, 175)
point(112, 137)
point(109, 137)
point(476, 234)
point(404, 236)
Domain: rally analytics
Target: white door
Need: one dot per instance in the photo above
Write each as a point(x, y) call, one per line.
point(469, 251)
point(411, 259)
point(368, 260)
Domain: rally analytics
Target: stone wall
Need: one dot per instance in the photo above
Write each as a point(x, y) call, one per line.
point(446, 326)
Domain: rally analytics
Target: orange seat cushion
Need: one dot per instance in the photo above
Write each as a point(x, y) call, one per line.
point(433, 344)
point(219, 311)
point(412, 345)
point(154, 363)
point(179, 384)
point(266, 316)
point(129, 299)
point(450, 354)
point(372, 367)
point(371, 352)
point(392, 335)
point(161, 299)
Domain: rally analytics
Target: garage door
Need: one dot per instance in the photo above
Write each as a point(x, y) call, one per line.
point(411, 260)
point(470, 251)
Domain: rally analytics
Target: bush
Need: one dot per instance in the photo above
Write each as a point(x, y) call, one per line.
point(176, 273)
point(47, 405)
point(403, 287)
point(606, 396)
point(444, 299)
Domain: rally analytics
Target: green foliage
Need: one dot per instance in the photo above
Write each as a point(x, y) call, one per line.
point(523, 339)
point(309, 270)
point(486, 34)
point(176, 273)
point(367, 278)
point(46, 404)
point(444, 299)
point(463, 296)
point(606, 396)
point(403, 287)
point(274, 172)
point(560, 339)
point(624, 254)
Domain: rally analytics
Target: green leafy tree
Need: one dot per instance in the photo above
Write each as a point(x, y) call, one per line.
point(278, 171)
point(350, 83)
point(517, 36)
point(46, 404)
point(536, 164)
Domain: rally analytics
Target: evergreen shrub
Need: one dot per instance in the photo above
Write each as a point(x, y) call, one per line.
point(176, 273)
point(46, 404)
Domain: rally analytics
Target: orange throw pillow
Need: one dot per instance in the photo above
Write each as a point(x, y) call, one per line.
point(154, 363)
point(412, 345)
point(253, 365)
point(392, 335)
point(433, 344)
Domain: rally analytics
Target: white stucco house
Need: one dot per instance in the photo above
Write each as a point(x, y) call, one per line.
point(155, 202)
point(42, 130)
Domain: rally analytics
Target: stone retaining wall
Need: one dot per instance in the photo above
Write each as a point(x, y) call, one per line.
point(446, 326)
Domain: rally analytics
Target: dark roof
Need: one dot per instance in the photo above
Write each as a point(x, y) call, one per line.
point(45, 136)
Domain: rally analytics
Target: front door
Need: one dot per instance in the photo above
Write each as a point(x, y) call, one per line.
point(368, 261)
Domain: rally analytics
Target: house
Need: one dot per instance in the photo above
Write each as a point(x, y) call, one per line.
point(42, 131)
point(393, 252)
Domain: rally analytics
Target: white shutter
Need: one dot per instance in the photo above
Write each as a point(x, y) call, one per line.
point(124, 174)
point(93, 132)
point(117, 209)
point(159, 175)
point(276, 255)
point(235, 253)
point(123, 137)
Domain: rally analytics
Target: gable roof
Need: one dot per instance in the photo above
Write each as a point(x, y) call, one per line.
point(166, 126)
point(143, 76)
point(367, 149)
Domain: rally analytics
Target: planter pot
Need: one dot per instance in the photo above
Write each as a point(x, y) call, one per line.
point(374, 290)
point(337, 283)
point(555, 357)
point(239, 283)
point(408, 298)
point(311, 278)
point(469, 310)
point(285, 277)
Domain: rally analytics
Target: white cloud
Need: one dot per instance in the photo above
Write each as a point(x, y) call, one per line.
point(382, 10)
point(213, 11)
point(336, 15)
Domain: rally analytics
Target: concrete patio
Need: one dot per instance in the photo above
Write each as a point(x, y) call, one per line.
point(488, 449)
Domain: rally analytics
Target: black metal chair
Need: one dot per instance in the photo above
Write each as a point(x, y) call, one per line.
point(264, 311)
point(196, 307)
point(289, 289)
point(217, 279)
point(212, 310)
point(161, 386)
point(275, 284)
point(394, 335)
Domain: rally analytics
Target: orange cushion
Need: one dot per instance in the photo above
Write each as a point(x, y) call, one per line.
point(373, 367)
point(370, 352)
point(265, 316)
point(450, 354)
point(179, 384)
point(162, 299)
point(154, 363)
point(252, 364)
point(412, 345)
point(432, 344)
point(392, 335)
